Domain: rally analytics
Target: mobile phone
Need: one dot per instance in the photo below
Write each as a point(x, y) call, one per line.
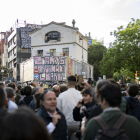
point(80, 79)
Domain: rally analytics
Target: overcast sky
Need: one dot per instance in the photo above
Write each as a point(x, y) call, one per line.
point(99, 17)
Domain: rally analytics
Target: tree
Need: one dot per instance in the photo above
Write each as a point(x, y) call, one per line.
point(5, 73)
point(125, 53)
point(95, 55)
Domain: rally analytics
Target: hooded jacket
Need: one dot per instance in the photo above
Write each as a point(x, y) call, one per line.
point(134, 107)
point(26, 100)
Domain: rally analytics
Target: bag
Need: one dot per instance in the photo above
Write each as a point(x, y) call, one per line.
point(114, 133)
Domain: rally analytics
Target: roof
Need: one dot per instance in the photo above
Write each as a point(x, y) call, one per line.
point(61, 23)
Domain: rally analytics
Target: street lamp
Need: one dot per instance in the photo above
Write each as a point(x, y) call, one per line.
point(2, 73)
point(82, 53)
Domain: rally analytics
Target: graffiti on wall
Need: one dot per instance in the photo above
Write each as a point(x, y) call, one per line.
point(69, 66)
point(50, 68)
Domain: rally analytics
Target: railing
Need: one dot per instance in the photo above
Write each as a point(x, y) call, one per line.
point(51, 54)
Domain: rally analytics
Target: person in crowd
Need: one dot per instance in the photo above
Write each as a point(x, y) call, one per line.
point(124, 104)
point(36, 91)
point(87, 102)
point(56, 90)
point(2, 85)
point(134, 104)
point(56, 122)
point(18, 89)
point(96, 110)
point(11, 98)
point(63, 88)
point(110, 102)
point(22, 95)
point(3, 104)
point(28, 93)
point(18, 94)
point(23, 124)
point(66, 103)
point(13, 85)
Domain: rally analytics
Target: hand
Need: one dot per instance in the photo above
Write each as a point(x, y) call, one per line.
point(86, 85)
point(84, 119)
point(79, 104)
point(34, 84)
point(55, 118)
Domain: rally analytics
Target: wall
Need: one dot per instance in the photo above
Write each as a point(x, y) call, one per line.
point(59, 49)
point(74, 67)
point(67, 35)
point(5, 55)
point(50, 68)
point(26, 70)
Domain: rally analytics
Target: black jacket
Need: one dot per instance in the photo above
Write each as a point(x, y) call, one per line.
point(26, 100)
point(134, 106)
point(78, 116)
point(60, 132)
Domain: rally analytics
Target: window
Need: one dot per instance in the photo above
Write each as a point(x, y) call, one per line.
point(65, 51)
point(52, 52)
point(40, 52)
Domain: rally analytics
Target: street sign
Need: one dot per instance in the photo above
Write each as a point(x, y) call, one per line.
point(36, 76)
point(36, 71)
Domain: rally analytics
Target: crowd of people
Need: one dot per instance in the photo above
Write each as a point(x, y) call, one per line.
point(69, 112)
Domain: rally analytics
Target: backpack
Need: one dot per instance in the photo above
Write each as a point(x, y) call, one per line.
point(114, 133)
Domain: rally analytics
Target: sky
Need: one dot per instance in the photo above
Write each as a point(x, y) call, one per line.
point(99, 17)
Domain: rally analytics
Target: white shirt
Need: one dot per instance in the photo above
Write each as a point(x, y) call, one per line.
point(66, 102)
point(50, 127)
point(12, 106)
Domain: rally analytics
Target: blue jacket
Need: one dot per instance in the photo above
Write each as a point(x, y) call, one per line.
point(134, 106)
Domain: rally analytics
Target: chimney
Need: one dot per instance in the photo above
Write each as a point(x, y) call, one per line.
point(11, 29)
point(89, 35)
point(73, 22)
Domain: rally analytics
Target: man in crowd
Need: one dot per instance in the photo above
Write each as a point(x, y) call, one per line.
point(2, 85)
point(28, 93)
point(134, 104)
point(110, 101)
point(89, 103)
point(36, 91)
point(66, 103)
point(3, 104)
point(56, 90)
point(56, 122)
point(63, 88)
point(18, 94)
point(11, 98)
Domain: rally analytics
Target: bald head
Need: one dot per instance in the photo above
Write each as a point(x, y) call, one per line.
point(56, 90)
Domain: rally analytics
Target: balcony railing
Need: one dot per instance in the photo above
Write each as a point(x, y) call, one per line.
point(51, 54)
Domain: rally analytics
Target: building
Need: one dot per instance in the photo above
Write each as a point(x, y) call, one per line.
point(2, 42)
point(19, 48)
point(59, 39)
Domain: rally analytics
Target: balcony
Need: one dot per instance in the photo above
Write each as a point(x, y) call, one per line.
point(11, 47)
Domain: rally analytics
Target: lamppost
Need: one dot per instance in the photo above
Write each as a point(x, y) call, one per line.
point(2, 74)
point(82, 53)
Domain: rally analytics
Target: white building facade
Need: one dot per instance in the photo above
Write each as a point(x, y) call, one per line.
point(58, 39)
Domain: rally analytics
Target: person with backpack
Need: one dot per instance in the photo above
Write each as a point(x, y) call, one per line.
point(112, 124)
point(134, 103)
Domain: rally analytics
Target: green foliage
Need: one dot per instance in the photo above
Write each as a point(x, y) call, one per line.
point(125, 53)
point(95, 55)
point(5, 73)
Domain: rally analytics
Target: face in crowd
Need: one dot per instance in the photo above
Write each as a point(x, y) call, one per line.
point(50, 101)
